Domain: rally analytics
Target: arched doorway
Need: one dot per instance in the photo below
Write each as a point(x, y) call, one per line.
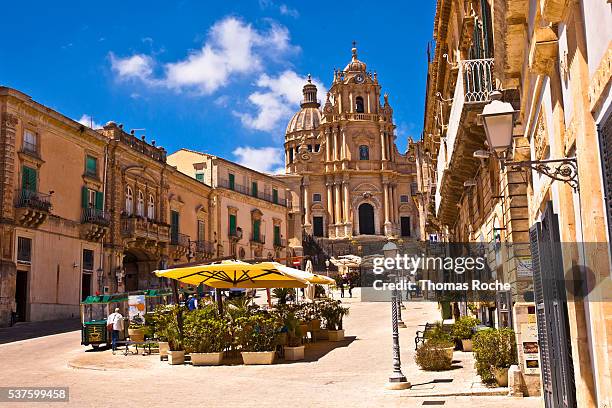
point(366, 219)
point(138, 265)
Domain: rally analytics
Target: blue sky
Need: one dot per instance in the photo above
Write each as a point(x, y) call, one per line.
point(222, 77)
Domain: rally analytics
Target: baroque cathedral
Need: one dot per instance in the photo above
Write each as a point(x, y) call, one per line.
point(345, 175)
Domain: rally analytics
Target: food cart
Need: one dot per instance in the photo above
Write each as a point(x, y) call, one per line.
point(95, 310)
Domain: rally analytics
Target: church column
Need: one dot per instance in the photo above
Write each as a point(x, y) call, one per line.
point(343, 147)
point(347, 209)
point(369, 108)
point(338, 201)
point(383, 147)
point(335, 130)
point(307, 222)
point(351, 101)
point(330, 207)
point(393, 204)
point(327, 146)
point(386, 205)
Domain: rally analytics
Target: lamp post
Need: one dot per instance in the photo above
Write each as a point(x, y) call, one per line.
point(397, 379)
point(100, 272)
point(327, 267)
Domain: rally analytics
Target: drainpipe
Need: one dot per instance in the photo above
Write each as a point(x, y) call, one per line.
point(103, 210)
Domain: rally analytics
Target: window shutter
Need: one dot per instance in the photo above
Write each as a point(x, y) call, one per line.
point(99, 200)
point(256, 224)
point(275, 196)
point(232, 181)
point(232, 224)
point(84, 197)
point(28, 181)
point(277, 239)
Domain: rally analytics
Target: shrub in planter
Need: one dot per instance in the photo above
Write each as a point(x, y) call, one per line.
point(168, 326)
point(257, 337)
point(332, 313)
point(294, 349)
point(495, 352)
point(432, 358)
point(463, 330)
point(283, 295)
point(206, 336)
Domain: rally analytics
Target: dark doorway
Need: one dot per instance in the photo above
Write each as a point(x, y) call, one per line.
point(366, 219)
point(86, 285)
point(317, 226)
point(405, 226)
point(130, 265)
point(21, 295)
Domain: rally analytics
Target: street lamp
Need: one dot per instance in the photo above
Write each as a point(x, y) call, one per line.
point(497, 118)
point(327, 267)
point(397, 379)
point(100, 272)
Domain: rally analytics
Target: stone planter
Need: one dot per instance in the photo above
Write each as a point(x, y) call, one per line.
point(294, 353)
point(466, 344)
point(304, 329)
point(163, 349)
point(206, 359)
point(335, 335)
point(136, 334)
point(501, 376)
point(282, 339)
point(258, 357)
point(176, 357)
point(314, 325)
point(322, 334)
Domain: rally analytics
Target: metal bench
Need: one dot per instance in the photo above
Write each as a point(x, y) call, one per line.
point(146, 346)
point(422, 335)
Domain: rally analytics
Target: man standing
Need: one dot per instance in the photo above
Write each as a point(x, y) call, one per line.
point(192, 302)
point(115, 322)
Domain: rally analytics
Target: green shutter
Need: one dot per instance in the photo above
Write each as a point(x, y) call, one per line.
point(277, 238)
point(200, 177)
point(174, 226)
point(256, 224)
point(254, 189)
point(91, 165)
point(232, 181)
point(28, 179)
point(275, 196)
point(232, 224)
point(99, 200)
point(84, 197)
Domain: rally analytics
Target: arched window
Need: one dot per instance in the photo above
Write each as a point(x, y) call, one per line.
point(364, 152)
point(151, 208)
point(140, 204)
point(129, 201)
point(359, 104)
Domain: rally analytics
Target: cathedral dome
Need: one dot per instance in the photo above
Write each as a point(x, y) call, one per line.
point(309, 116)
point(355, 65)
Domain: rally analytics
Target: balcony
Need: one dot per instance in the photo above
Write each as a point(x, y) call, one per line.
point(224, 183)
point(95, 224)
point(179, 244)
point(156, 153)
point(455, 156)
point(204, 249)
point(258, 239)
point(362, 116)
point(282, 242)
point(144, 232)
point(235, 235)
point(32, 207)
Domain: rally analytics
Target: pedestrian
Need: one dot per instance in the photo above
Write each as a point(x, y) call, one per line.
point(114, 322)
point(340, 284)
point(350, 287)
point(192, 302)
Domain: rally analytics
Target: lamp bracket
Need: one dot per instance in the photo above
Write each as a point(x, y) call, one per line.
point(565, 170)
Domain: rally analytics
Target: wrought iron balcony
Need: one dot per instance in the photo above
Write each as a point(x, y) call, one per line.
point(282, 242)
point(33, 200)
point(224, 183)
point(180, 239)
point(204, 248)
point(258, 239)
point(96, 216)
point(477, 79)
point(145, 229)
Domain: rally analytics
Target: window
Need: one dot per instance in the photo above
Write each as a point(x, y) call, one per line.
point(151, 208)
point(232, 181)
point(28, 179)
point(88, 260)
point(359, 105)
point(277, 235)
point(92, 198)
point(317, 147)
point(257, 230)
point(310, 148)
point(414, 187)
point(290, 155)
point(129, 201)
point(403, 199)
point(174, 227)
point(232, 225)
point(275, 196)
point(30, 141)
point(316, 198)
point(364, 152)
point(254, 189)
point(201, 230)
point(200, 177)
point(317, 226)
point(24, 250)
point(140, 205)
point(91, 166)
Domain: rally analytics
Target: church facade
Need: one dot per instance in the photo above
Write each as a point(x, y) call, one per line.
point(346, 176)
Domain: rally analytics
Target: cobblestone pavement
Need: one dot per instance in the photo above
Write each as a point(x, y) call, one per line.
point(352, 373)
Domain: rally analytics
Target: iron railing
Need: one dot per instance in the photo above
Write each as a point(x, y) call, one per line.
point(179, 239)
point(478, 79)
point(96, 216)
point(247, 191)
point(32, 199)
point(204, 247)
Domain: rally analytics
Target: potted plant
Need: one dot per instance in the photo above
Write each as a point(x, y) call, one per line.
point(438, 338)
point(136, 329)
point(294, 350)
point(463, 330)
point(206, 336)
point(333, 312)
point(257, 335)
point(495, 352)
point(430, 357)
point(172, 331)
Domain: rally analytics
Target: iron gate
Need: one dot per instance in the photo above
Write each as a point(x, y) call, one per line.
point(551, 309)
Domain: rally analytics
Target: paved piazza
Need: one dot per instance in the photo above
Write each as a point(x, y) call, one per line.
point(352, 374)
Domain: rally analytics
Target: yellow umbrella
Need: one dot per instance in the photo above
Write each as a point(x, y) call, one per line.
point(235, 274)
point(307, 276)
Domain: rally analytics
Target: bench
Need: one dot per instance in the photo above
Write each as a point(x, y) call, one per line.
point(146, 346)
point(422, 335)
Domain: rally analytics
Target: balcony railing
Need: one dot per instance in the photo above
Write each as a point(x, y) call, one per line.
point(478, 79)
point(260, 239)
point(137, 227)
point(204, 247)
point(180, 239)
point(363, 116)
point(247, 191)
point(282, 242)
point(96, 216)
point(33, 199)
point(156, 153)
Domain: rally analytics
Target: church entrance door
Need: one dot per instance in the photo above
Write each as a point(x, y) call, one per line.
point(366, 219)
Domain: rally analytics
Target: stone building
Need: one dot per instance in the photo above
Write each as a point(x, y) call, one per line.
point(249, 208)
point(85, 211)
point(346, 177)
point(551, 61)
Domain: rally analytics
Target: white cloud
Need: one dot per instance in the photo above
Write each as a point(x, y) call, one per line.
point(87, 120)
point(264, 159)
point(287, 11)
point(232, 47)
point(137, 66)
point(276, 101)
